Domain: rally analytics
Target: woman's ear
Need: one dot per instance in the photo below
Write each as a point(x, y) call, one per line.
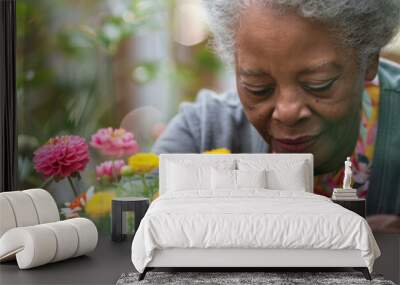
point(372, 67)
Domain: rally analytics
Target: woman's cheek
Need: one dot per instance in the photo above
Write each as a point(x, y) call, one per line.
point(344, 106)
point(332, 112)
point(259, 116)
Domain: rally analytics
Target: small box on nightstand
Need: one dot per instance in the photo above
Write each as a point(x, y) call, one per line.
point(356, 205)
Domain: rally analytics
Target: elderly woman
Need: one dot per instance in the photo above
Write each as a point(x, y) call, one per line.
point(308, 79)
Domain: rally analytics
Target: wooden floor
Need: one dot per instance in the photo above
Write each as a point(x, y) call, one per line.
point(103, 266)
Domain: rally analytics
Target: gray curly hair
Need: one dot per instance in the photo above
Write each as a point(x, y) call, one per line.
point(366, 25)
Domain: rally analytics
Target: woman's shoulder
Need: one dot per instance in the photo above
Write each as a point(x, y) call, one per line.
point(211, 98)
point(211, 121)
point(210, 104)
point(389, 75)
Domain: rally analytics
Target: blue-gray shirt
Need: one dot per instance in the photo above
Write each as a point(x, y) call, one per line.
point(212, 121)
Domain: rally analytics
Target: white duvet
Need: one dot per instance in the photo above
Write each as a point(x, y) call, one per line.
point(250, 219)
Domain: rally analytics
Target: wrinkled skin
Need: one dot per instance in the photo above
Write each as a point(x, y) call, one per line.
point(294, 80)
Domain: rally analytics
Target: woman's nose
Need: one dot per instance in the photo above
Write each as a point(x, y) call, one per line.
point(290, 108)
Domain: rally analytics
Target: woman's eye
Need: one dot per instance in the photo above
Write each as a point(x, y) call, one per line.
point(319, 87)
point(266, 91)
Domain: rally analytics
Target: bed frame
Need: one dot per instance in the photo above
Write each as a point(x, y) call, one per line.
point(248, 258)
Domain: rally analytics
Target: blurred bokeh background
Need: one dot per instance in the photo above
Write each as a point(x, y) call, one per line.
point(89, 64)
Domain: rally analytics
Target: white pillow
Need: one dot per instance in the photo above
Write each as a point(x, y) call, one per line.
point(188, 175)
point(225, 179)
point(206, 161)
point(183, 178)
point(281, 175)
point(292, 179)
point(251, 178)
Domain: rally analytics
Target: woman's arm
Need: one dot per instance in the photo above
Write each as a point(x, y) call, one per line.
point(178, 136)
point(212, 121)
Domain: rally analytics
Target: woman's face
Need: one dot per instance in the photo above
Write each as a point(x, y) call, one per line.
point(300, 90)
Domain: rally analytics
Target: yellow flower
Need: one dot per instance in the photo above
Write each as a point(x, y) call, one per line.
point(100, 204)
point(218, 151)
point(143, 162)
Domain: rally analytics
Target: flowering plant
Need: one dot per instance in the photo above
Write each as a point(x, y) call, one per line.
point(114, 142)
point(134, 178)
point(122, 171)
point(125, 172)
point(62, 157)
point(217, 151)
point(110, 170)
point(141, 167)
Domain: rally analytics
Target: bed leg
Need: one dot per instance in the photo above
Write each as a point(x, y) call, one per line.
point(364, 271)
point(143, 274)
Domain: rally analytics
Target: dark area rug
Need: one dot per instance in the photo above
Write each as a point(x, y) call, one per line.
point(230, 278)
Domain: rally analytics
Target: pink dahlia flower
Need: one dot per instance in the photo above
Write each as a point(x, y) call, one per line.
point(114, 142)
point(62, 156)
point(109, 169)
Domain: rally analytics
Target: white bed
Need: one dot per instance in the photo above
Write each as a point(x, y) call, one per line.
point(203, 220)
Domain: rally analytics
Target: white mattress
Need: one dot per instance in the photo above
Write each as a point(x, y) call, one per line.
point(257, 218)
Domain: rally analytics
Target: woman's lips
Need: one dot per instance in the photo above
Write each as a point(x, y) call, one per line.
point(299, 144)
